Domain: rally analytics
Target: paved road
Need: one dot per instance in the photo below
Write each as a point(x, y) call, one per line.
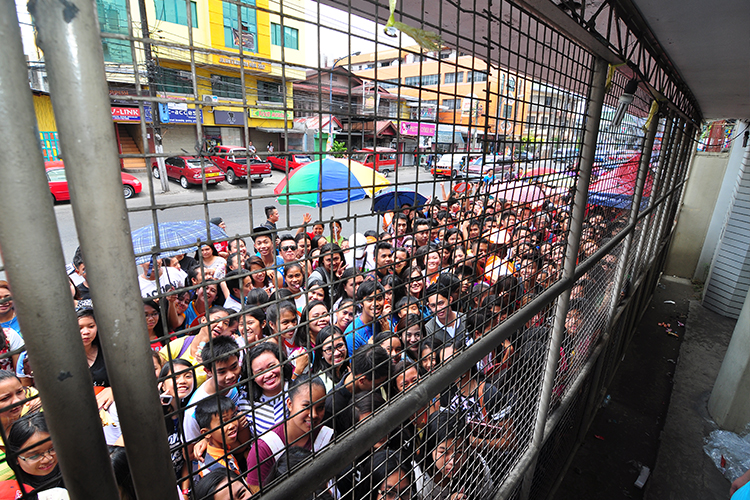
point(241, 213)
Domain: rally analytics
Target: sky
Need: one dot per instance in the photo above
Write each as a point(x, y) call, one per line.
point(335, 42)
point(335, 34)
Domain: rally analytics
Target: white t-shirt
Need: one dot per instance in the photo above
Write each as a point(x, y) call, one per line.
point(169, 276)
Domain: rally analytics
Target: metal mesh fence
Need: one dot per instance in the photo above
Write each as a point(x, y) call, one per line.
point(353, 252)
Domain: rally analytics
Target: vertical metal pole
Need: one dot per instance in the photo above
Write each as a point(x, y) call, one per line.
point(622, 265)
point(669, 144)
point(674, 169)
point(41, 293)
point(644, 169)
point(69, 36)
point(667, 186)
point(155, 113)
point(591, 132)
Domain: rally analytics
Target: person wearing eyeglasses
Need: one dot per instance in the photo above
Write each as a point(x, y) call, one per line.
point(35, 462)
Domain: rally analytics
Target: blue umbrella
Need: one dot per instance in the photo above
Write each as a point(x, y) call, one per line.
point(173, 234)
point(390, 199)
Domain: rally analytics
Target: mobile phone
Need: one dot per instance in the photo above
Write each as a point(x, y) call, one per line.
point(166, 399)
point(150, 268)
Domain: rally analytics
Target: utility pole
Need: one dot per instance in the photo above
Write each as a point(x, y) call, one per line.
point(155, 112)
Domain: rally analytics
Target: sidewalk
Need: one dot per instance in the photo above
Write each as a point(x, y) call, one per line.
point(683, 471)
point(657, 416)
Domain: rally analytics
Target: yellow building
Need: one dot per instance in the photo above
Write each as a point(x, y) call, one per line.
point(450, 88)
point(237, 58)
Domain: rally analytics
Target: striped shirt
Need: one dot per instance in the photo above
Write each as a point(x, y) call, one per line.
point(267, 413)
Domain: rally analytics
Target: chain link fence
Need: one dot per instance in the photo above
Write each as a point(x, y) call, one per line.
point(398, 271)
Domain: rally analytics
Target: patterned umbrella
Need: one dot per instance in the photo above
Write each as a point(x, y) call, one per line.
point(329, 182)
point(173, 234)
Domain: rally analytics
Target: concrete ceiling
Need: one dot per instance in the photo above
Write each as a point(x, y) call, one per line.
point(709, 43)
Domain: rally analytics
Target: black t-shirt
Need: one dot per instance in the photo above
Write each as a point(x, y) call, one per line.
point(339, 409)
point(83, 290)
point(99, 370)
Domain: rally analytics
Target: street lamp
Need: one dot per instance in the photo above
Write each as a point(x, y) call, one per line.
point(329, 142)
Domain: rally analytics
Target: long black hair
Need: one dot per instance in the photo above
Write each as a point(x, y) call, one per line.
point(257, 350)
point(21, 431)
point(320, 365)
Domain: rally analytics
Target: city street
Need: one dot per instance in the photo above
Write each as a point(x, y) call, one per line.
point(241, 214)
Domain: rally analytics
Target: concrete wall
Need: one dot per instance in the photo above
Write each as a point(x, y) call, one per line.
point(706, 177)
point(728, 184)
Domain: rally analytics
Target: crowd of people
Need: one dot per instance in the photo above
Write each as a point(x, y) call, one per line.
point(267, 349)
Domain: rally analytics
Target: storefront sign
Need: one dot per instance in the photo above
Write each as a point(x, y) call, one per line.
point(229, 118)
point(176, 114)
point(415, 128)
point(249, 64)
point(269, 114)
point(126, 114)
point(114, 93)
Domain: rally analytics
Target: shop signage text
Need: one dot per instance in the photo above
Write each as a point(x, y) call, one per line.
point(269, 114)
point(249, 64)
point(415, 128)
point(177, 114)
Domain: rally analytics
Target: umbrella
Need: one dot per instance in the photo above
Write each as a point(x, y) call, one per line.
point(615, 188)
point(173, 234)
point(390, 199)
point(328, 182)
point(518, 191)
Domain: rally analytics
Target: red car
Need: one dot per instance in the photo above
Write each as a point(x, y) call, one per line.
point(58, 183)
point(289, 161)
point(187, 170)
point(232, 161)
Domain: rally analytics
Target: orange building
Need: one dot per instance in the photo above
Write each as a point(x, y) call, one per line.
point(451, 88)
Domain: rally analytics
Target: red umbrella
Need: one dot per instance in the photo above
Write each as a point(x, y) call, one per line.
point(616, 188)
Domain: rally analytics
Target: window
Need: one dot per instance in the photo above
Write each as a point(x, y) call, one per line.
point(507, 111)
point(452, 103)
point(113, 19)
point(270, 91)
point(393, 109)
point(532, 119)
point(430, 79)
point(423, 80)
point(389, 83)
point(511, 84)
point(476, 76)
point(291, 36)
point(175, 11)
point(236, 35)
point(445, 54)
point(174, 81)
point(429, 102)
point(457, 77)
point(226, 86)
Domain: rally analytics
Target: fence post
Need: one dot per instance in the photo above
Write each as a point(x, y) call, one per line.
point(670, 143)
point(590, 135)
point(69, 36)
point(673, 168)
point(35, 266)
point(622, 265)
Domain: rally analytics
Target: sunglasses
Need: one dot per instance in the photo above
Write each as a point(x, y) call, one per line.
point(288, 248)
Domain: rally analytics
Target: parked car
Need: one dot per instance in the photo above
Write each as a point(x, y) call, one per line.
point(187, 170)
point(450, 164)
point(58, 183)
point(289, 161)
point(232, 161)
point(383, 160)
point(503, 165)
